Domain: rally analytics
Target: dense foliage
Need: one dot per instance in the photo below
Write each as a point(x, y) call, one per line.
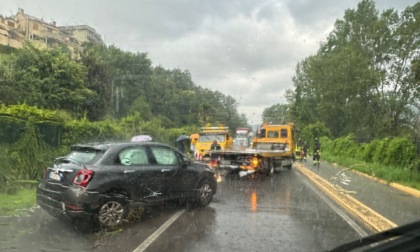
point(277, 114)
point(363, 78)
point(106, 82)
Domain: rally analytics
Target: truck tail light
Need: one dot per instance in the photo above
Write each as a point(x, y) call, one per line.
point(213, 163)
point(254, 162)
point(83, 177)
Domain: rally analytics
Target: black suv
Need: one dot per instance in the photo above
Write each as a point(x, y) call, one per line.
point(101, 183)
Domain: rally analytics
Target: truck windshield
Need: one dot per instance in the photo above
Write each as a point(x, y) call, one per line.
point(211, 137)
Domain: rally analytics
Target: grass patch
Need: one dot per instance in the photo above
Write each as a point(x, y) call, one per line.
point(13, 204)
point(4, 57)
point(398, 175)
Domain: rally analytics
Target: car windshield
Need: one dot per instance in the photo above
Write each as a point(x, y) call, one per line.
point(210, 125)
point(241, 136)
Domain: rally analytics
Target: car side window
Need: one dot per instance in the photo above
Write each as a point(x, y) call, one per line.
point(165, 156)
point(134, 156)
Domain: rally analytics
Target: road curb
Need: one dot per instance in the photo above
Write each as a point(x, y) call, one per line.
point(373, 219)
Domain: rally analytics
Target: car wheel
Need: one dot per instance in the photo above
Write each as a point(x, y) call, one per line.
point(204, 194)
point(112, 212)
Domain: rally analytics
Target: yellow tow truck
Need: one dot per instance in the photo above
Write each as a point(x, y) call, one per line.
point(272, 148)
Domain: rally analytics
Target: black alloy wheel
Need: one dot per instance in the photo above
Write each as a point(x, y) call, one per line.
point(204, 194)
point(113, 212)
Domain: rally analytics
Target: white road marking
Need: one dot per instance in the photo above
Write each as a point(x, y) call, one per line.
point(340, 212)
point(146, 243)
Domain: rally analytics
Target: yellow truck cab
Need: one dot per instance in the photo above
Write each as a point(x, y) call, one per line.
point(276, 137)
point(206, 137)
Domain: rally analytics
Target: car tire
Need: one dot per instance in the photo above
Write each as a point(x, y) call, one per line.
point(205, 193)
point(113, 211)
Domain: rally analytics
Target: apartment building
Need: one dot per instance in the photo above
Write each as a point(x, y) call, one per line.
point(24, 28)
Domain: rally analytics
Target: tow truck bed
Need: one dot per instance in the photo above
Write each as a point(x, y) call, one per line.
point(250, 160)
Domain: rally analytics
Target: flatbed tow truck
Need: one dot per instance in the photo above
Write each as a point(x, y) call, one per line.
point(272, 148)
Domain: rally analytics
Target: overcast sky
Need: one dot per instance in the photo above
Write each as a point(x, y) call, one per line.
point(244, 48)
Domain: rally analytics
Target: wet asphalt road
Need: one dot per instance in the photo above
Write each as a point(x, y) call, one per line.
point(258, 213)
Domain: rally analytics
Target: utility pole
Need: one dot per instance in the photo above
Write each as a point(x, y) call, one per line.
point(117, 90)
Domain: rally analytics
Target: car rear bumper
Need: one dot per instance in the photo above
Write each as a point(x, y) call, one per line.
point(57, 208)
point(70, 202)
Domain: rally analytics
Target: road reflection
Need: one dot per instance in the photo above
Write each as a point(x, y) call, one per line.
point(254, 201)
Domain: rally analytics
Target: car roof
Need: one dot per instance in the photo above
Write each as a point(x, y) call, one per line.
point(104, 146)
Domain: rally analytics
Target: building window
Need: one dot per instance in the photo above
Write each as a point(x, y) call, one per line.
point(35, 26)
point(10, 24)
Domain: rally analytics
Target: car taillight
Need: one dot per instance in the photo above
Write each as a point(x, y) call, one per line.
point(83, 177)
point(74, 207)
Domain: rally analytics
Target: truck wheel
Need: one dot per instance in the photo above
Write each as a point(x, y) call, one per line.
point(272, 167)
point(269, 167)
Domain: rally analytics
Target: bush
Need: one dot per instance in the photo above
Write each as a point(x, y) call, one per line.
point(380, 150)
point(369, 151)
point(400, 152)
point(79, 131)
point(345, 147)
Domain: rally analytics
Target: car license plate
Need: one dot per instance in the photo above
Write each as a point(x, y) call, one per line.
point(205, 159)
point(54, 176)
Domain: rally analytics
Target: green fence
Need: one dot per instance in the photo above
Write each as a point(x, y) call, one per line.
point(13, 128)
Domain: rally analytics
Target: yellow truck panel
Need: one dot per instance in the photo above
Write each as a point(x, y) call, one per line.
point(206, 137)
point(275, 137)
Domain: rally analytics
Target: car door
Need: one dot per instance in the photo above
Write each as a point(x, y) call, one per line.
point(178, 177)
point(185, 180)
point(141, 174)
point(170, 164)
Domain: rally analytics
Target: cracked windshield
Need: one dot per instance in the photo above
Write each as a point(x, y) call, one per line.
point(243, 125)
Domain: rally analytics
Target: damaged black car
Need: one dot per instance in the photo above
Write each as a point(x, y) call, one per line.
point(101, 183)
